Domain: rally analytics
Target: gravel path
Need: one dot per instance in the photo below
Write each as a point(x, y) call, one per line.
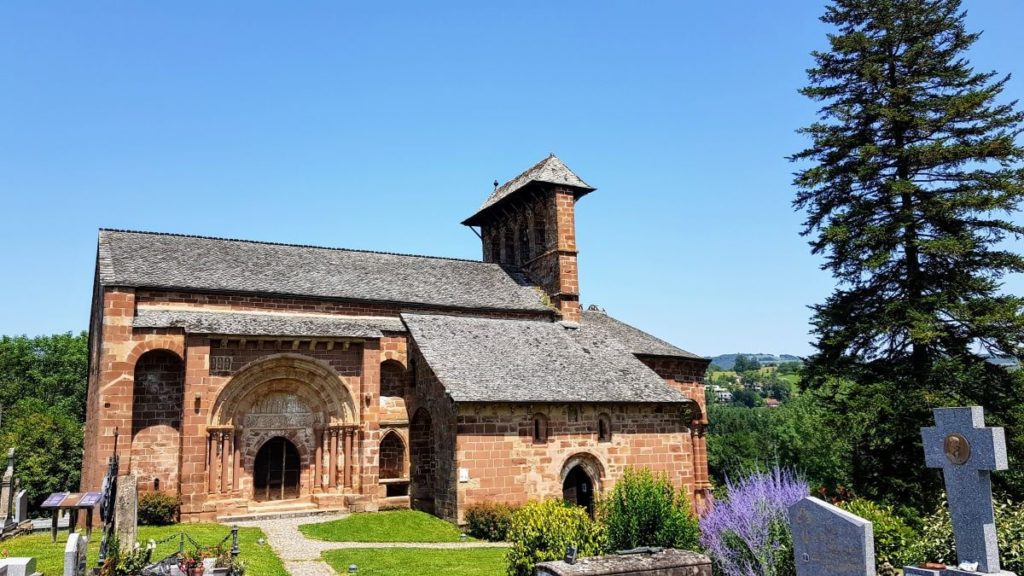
point(301, 555)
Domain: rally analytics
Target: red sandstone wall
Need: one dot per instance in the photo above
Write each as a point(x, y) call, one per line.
point(495, 445)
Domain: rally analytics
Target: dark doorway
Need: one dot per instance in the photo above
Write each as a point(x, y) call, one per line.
point(421, 456)
point(276, 471)
point(578, 489)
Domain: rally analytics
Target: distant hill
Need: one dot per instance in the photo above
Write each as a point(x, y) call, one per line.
point(727, 361)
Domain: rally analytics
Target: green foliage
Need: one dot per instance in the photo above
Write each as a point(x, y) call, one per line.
point(746, 364)
point(795, 436)
point(646, 510)
point(48, 447)
point(541, 531)
point(937, 543)
point(746, 397)
point(158, 509)
point(391, 526)
point(53, 369)
point(908, 185)
point(489, 520)
point(895, 541)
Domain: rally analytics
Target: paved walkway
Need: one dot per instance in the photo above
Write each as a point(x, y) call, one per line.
point(301, 555)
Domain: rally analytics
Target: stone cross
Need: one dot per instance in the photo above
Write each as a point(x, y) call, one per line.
point(967, 452)
point(830, 540)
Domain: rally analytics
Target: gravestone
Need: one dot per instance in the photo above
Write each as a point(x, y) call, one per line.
point(20, 566)
point(126, 510)
point(21, 506)
point(74, 555)
point(967, 452)
point(7, 491)
point(830, 540)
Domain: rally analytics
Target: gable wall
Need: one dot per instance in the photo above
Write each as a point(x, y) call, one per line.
point(495, 445)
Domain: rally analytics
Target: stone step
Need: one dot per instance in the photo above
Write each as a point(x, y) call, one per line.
point(309, 510)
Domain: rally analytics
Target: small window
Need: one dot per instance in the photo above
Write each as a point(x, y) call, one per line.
point(604, 428)
point(540, 429)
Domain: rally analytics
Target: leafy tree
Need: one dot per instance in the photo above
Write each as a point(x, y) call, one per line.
point(746, 364)
point(48, 447)
point(911, 175)
point(53, 369)
point(746, 397)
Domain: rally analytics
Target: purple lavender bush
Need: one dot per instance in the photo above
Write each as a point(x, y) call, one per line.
point(748, 533)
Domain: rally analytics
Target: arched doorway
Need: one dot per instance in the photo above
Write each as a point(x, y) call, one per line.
point(421, 456)
point(276, 470)
point(578, 488)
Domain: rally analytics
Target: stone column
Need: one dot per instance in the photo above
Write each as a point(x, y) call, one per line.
point(237, 475)
point(349, 457)
point(211, 463)
point(225, 462)
point(318, 461)
point(332, 470)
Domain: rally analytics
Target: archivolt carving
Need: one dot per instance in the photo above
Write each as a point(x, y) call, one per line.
point(283, 390)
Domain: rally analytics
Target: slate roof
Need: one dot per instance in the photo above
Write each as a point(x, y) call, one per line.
point(636, 341)
point(169, 261)
point(495, 360)
point(267, 324)
point(550, 170)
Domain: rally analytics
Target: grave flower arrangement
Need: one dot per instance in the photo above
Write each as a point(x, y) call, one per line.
point(191, 561)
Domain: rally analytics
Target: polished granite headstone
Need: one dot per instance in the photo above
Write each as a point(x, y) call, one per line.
point(830, 540)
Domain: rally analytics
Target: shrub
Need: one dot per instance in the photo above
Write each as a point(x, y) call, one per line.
point(645, 510)
point(895, 542)
point(748, 534)
point(541, 531)
point(158, 509)
point(937, 543)
point(489, 520)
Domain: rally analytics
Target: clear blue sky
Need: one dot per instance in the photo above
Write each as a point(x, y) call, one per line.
point(380, 125)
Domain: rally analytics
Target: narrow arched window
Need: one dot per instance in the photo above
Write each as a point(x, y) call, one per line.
point(540, 429)
point(524, 242)
point(540, 231)
point(495, 245)
point(509, 257)
point(604, 428)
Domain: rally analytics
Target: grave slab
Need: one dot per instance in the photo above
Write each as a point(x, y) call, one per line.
point(657, 562)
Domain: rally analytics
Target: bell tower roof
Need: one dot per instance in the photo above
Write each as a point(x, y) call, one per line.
point(550, 170)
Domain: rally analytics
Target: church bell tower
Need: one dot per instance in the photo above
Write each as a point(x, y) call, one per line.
point(529, 224)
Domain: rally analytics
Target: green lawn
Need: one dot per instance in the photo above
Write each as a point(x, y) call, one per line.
point(260, 559)
point(393, 526)
point(419, 562)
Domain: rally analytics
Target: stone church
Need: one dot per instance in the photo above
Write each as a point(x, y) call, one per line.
point(253, 377)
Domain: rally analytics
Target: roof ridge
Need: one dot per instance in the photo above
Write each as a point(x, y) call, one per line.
point(290, 245)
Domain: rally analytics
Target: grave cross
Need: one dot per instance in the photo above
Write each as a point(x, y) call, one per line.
point(967, 452)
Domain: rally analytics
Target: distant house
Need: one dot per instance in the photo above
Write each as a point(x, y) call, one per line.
point(772, 403)
point(723, 396)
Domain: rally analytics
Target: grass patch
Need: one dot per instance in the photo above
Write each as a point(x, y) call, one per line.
point(419, 561)
point(393, 526)
point(260, 560)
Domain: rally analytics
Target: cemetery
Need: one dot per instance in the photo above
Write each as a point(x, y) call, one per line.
point(267, 402)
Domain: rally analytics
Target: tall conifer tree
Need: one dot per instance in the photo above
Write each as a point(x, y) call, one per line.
point(910, 188)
